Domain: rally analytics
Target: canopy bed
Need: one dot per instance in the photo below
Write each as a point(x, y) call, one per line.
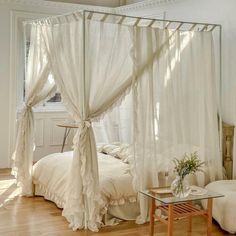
point(95, 59)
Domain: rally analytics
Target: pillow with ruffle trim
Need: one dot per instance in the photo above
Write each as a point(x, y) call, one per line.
point(118, 150)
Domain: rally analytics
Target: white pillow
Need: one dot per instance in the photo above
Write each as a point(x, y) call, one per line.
point(123, 152)
point(108, 148)
point(100, 147)
point(118, 150)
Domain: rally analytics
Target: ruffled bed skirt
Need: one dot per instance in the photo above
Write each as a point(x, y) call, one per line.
point(116, 210)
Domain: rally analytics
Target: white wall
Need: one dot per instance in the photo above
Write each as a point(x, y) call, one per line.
point(11, 13)
point(4, 84)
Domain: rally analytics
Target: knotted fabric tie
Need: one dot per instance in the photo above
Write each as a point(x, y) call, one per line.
point(87, 123)
point(83, 126)
point(25, 107)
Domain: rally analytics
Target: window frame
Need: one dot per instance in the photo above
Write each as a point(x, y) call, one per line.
point(20, 65)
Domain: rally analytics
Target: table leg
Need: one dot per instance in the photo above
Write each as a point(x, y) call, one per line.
point(66, 133)
point(190, 220)
point(151, 215)
point(170, 219)
point(209, 216)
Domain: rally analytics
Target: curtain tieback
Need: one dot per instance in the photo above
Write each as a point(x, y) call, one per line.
point(86, 123)
point(24, 108)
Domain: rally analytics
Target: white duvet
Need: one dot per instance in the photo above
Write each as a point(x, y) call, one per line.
point(51, 172)
point(224, 208)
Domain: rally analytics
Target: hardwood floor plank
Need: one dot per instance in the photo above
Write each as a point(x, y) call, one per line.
point(34, 216)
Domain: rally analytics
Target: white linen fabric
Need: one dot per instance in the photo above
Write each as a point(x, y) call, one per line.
point(121, 151)
point(89, 88)
point(94, 65)
point(224, 208)
point(37, 88)
point(51, 173)
point(116, 125)
point(175, 105)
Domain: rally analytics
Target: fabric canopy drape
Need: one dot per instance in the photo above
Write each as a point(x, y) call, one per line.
point(117, 125)
point(89, 89)
point(95, 64)
point(37, 88)
point(176, 95)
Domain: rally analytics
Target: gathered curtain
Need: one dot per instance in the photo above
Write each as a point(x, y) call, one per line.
point(38, 87)
point(89, 89)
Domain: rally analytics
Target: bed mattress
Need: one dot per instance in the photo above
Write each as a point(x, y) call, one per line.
point(50, 177)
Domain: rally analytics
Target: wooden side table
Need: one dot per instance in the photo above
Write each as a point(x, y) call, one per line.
point(68, 128)
point(175, 208)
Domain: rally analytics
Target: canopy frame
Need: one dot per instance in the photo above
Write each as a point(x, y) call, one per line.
point(88, 15)
point(152, 20)
point(167, 22)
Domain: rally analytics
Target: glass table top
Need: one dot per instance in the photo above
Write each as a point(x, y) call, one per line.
point(165, 196)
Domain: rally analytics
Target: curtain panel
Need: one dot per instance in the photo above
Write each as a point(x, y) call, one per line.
point(37, 88)
point(117, 125)
point(89, 89)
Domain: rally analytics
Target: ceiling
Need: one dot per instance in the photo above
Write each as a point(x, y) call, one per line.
point(104, 3)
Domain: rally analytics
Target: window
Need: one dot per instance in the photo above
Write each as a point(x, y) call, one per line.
point(55, 102)
point(55, 98)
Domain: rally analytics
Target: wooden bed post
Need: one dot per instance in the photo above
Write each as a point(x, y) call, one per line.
point(228, 138)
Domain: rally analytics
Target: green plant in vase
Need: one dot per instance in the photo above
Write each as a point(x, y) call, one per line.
point(189, 164)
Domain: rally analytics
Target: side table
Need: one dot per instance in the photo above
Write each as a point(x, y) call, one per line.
point(174, 208)
point(68, 127)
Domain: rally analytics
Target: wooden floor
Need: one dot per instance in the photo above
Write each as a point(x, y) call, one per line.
point(21, 216)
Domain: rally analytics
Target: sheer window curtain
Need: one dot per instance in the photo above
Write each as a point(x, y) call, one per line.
point(175, 106)
point(89, 89)
point(38, 88)
point(117, 125)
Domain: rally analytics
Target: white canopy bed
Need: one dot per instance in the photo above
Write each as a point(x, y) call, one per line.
point(96, 59)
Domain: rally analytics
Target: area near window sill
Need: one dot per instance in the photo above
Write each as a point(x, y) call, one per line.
point(49, 107)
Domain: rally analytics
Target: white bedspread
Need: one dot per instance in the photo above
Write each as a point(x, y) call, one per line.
point(51, 172)
point(224, 208)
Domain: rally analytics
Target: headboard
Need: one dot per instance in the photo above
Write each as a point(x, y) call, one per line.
point(228, 139)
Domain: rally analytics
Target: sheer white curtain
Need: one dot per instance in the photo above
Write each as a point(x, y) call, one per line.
point(89, 89)
point(37, 88)
point(116, 125)
point(175, 105)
